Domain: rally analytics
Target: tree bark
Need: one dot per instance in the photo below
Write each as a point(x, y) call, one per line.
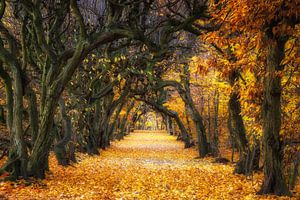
point(247, 161)
point(33, 113)
point(18, 149)
point(94, 129)
point(273, 182)
point(187, 119)
point(60, 148)
point(39, 157)
point(203, 147)
point(238, 132)
point(9, 96)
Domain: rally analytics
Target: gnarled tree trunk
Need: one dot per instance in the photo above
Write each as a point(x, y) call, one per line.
point(273, 182)
point(94, 129)
point(185, 93)
point(60, 148)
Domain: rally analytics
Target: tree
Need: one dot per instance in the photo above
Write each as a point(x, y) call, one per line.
point(272, 27)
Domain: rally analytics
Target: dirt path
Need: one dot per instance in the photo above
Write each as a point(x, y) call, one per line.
point(146, 165)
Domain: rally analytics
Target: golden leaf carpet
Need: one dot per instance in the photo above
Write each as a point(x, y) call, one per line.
point(145, 165)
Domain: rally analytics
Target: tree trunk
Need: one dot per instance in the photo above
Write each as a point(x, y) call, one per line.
point(238, 132)
point(231, 136)
point(208, 117)
point(185, 93)
point(2, 117)
point(172, 126)
point(187, 119)
point(294, 172)
point(124, 120)
point(185, 136)
point(60, 148)
point(9, 97)
point(247, 162)
point(33, 113)
point(202, 141)
point(168, 124)
point(94, 129)
point(107, 110)
point(215, 134)
point(18, 152)
point(113, 125)
point(273, 182)
point(39, 158)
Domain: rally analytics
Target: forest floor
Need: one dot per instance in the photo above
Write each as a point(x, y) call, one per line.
point(145, 165)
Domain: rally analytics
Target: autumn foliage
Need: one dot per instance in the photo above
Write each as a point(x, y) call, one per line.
point(78, 78)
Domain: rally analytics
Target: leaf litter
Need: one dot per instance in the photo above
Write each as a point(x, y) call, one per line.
point(145, 165)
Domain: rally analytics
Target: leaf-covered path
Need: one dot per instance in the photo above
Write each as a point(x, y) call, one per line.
point(146, 165)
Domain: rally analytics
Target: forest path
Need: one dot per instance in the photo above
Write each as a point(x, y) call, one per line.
point(145, 165)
